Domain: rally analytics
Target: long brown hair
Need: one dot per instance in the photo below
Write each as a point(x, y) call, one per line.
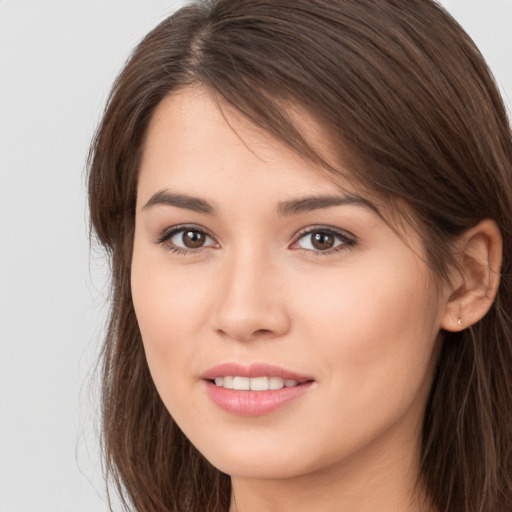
point(409, 98)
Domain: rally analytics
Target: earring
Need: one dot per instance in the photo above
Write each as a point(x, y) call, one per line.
point(459, 321)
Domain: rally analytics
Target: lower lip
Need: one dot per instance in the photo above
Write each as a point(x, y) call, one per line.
point(254, 403)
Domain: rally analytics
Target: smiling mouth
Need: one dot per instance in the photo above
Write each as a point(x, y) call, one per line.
point(239, 383)
point(254, 390)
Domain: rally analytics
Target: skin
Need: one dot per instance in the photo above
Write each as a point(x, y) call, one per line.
point(361, 319)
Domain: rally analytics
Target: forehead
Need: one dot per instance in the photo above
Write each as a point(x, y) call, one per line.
point(194, 138)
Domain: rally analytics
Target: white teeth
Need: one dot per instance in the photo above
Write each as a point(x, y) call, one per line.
point(227, 382)
point(275, 383)
point(241, 383)
point(259, 384)
point(254, 383)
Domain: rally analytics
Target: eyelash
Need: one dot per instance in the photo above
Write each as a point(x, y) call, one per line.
point(347, 240)
point(167, 235)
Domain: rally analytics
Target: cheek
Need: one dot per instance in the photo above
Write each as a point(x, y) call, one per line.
point(376, 329)
point(162, 307)
point(169, 307)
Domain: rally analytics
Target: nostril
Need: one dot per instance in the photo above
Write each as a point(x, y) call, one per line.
point(262, 332)
point(247, 335)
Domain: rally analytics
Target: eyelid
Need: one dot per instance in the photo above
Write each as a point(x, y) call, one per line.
point(348, 239)
point(167, 234)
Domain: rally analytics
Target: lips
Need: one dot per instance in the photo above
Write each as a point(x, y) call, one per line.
point(253, 390)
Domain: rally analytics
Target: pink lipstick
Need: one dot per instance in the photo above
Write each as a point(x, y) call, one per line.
point(253, 390)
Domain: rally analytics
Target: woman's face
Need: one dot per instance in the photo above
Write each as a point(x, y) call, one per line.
point(251, 270)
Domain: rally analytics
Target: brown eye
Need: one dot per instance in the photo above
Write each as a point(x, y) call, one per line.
point(187, 239)
point(322, 241)
point(193, 239)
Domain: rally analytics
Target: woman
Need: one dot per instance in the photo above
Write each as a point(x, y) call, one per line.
point(307, 206)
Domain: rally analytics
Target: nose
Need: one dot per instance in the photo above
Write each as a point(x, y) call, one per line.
point(252, 303)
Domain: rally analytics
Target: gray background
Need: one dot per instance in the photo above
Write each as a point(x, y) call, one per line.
point(58, 59)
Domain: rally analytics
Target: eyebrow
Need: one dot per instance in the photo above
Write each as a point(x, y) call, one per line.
point(180, 201)
point(285, 208)
point(307, 204)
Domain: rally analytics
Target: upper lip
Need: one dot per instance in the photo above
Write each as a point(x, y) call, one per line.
point(252, 370)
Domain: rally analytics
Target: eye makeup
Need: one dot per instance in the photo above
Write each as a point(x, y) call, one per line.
point(186, 239)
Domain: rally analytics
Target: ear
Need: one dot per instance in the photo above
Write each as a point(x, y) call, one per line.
point(473, 288)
